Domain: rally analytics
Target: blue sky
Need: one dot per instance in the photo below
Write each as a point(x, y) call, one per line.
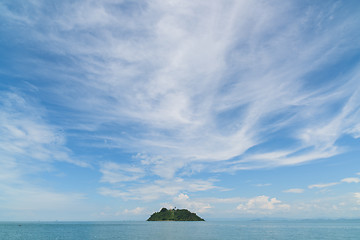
point(110, 110)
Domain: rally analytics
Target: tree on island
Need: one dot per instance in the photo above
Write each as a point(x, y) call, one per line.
point(174, 215)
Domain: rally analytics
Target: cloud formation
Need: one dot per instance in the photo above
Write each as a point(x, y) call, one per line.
point(136, 211)
point(344, 180)
point(25, 134)
point(176, 70)
point(29, 146)
point(115, 173)
point(168, 94)
point(262, 203)
point(323, 185)
point(357, 197)
point(149, 191)
point(184, 201)
point(294, 190)
point(351, 180)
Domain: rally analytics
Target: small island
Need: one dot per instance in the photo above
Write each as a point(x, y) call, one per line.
point(174, 215)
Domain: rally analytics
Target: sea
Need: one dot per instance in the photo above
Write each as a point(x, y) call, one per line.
point(219, 230)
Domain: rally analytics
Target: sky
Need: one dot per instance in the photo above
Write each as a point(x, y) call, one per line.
point(113, 109)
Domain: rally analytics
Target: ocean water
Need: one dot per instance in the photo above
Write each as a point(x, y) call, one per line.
point(249, 230)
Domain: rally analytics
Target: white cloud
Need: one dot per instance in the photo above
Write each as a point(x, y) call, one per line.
point(294, 190)
point(181, 197)
point(263, 184)
point(262, 203)
point(112, 192)
point(226, 200)
point(25, 134)
point(351, 180)
point(344, 180)
point(176, 96)
point(149, 191)
point(183, 201)
point(357, 197)
point(323, 185)
point(136, 211)
point(114, 173)
point(181, 82)
point(30, 146)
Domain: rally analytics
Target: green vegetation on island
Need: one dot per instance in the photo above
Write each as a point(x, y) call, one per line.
point(174, 215)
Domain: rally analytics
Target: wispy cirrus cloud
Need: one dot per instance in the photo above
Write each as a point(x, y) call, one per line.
point(115, 173)
point(153, 190)
point(323, 185)
point(26, 137)
point(294, 190)
point(195, 86)
point(263, 184)
point(344, 180)
point(29, 146)
point(186, 87)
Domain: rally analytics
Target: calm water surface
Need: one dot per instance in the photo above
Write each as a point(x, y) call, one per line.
point(249, 230)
